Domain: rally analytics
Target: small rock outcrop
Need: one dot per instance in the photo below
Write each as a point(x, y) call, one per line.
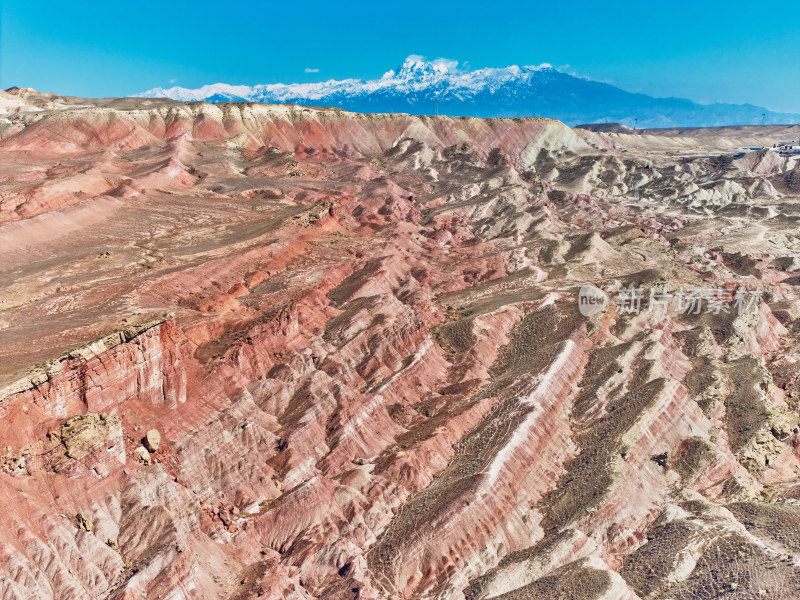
point(84, 522)
point(84, 433)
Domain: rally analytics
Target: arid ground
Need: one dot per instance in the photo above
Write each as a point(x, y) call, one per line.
point(263, 352)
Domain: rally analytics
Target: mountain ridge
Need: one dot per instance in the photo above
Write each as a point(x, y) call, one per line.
point(418, 86)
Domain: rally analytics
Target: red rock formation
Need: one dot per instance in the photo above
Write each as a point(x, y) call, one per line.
point(359, 341)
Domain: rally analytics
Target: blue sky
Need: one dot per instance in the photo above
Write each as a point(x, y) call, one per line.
point(706, 51)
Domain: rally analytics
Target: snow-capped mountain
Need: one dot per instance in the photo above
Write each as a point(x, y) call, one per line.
point(428, 87)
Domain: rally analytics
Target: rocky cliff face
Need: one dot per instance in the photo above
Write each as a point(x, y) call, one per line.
point(271, 352)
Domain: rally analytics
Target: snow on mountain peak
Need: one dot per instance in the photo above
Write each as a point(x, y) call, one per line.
point(414, 74)
point(416, 68)
point(443, 86)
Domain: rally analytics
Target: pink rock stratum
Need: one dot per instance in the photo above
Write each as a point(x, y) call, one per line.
point(263, 352)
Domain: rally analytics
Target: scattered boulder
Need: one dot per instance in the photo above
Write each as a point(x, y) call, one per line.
point(152, 440)
point(225, 516)
point(143, 455)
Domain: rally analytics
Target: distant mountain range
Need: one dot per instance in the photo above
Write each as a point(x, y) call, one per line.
point(429, 87)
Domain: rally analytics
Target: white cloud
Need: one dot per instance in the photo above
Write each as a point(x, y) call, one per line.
point(173, 81)
point(449, 64)
point(310, 70)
